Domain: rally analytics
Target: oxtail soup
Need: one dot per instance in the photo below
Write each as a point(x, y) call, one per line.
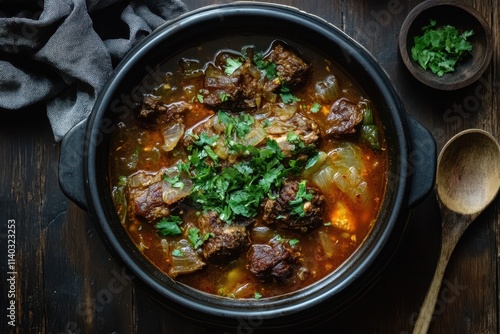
point(249, 171)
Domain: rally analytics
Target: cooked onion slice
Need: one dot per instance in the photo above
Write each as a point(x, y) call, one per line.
point(187, 263)
point(172, 135)
point(327, 90)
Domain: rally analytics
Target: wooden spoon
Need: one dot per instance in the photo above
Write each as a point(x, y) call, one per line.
point(467, 181)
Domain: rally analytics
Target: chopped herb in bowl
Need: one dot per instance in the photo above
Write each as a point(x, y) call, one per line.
point(440, 49)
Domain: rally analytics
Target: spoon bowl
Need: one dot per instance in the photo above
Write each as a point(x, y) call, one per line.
point(467, 181)
point(468, 173)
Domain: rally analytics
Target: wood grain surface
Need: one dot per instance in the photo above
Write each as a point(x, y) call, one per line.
point(67, 282)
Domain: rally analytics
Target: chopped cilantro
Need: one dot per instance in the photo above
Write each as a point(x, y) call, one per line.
point(241, 125)
point(268, 67)
point(440, 49)
point(315, 107)
point(199, 97)
point(205, 139)
point(223, 97)
point(238, 189)
point(196, 239)
point(122, 181)
point(257, 295)
point(232, 65)
point(297, 204)
point(312, 160)
point(173, 181)
point(287, 96)
point(170, 226)
point(177, 253)
point(293, 242)
point(292, 138)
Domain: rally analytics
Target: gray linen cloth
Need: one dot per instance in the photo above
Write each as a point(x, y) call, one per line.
point(61, 52)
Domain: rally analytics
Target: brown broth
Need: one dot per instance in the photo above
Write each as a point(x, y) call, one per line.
point(136, 148)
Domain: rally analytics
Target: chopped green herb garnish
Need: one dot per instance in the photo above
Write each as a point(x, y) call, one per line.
point(312, 160)
point(177, 253)
point(257, 295)
point(297, 204)
point(268, 67)
point(223, 97)
point(173, 181)
point(315, 107)
point(196, 239)
point(441, 48)
point(293, 242)
point(232, 65)
point(122, 181)
point(241, 125)
point(205, 139)
point(169, 226)
point(287, 96)
point(238, 189)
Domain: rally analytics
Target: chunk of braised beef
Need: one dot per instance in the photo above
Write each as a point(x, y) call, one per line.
point(343, 118)
point(220, 90)
point(291, 69)
point(247, 86)
point(153, 198)
point(308, 131)
point(227, 241)
point(278, 211)
point(272, 261)
point(153, 110)
point(148, 201)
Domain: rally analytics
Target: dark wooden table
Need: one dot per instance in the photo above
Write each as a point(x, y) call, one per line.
point(67, 282)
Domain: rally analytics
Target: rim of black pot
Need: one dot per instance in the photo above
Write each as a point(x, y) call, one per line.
point(298, 23)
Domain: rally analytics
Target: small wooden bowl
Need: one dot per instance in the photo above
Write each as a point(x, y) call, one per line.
point(461, 16)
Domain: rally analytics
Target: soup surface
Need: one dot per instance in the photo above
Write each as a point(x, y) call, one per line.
point(249, 173)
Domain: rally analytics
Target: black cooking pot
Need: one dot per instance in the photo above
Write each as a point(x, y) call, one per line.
point(411, 150)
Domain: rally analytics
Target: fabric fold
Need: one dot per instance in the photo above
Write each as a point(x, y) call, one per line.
point(53, 51)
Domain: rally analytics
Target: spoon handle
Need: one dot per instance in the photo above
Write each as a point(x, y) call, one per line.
point(425, 316)
point(453, 226)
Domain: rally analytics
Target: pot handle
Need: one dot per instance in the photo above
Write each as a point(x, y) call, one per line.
point(71, 178)
point(421, 162)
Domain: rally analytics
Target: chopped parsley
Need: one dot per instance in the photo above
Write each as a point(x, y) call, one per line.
point(237, 189)
point(196, 239)
point(241, 124)
point(302, 196)
point(174, 181)
point(169, 226)
point(224, 97)
point(122, 181)
point(315, 107)
point(177, 253)
point(440, 48)
point(232, 65)
point(268, 67)
point(287, 96)
point(312, 160)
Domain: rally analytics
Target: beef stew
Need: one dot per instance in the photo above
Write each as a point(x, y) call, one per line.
point(250, 173)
